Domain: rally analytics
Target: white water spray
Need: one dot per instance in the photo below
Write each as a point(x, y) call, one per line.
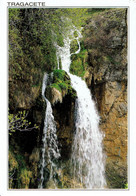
point(87, 156)
point(50, 151)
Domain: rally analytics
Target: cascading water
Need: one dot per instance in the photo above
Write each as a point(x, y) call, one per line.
point(50, 151)
point(87, 157)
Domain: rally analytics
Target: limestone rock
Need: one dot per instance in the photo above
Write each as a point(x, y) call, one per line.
point(106, 40)
point(54, 95)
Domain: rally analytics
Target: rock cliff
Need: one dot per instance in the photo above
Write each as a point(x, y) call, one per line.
point(106, 40)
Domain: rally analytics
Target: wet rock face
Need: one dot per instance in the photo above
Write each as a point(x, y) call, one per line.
point(64, 117)
point(113, 111)
point(106, 40)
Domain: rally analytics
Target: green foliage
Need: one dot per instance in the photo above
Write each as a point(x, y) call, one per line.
point(31, 47)
point(19, 174)
point(32, 35)
point(126, 186)
point(75, 34)
point(60, 64)
point(97, 10)
point(77, 15)
point(55, 86)
point(79, 63)
point(25, 177)
point(61, 81)
point(74, 46)
point(58, 75)
point(19, 122)
point(13, 166)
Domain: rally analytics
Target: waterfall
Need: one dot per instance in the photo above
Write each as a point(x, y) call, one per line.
point(50, 151)
point(87, 159)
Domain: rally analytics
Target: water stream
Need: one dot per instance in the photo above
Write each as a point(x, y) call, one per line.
point(50, 151)
point(87, 156)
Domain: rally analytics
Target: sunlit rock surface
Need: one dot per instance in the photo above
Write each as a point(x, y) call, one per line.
point(106, 40)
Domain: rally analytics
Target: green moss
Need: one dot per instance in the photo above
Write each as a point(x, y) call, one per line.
point(60, 64)
point(25, 177)
point(55, 85)
point(19, 173)
point(61, 81)
point(58, 74)
point(63, 86)
point(75, 34)
point(73, 46)
point(126, 186)
point(60, 41)
point(79, 63)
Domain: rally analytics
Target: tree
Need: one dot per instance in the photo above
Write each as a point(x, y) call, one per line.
point(19, 122)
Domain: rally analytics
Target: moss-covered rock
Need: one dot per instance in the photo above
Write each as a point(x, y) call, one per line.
point(13, 166)
point(20, 175)
point(59, 87)
point(79, 63)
